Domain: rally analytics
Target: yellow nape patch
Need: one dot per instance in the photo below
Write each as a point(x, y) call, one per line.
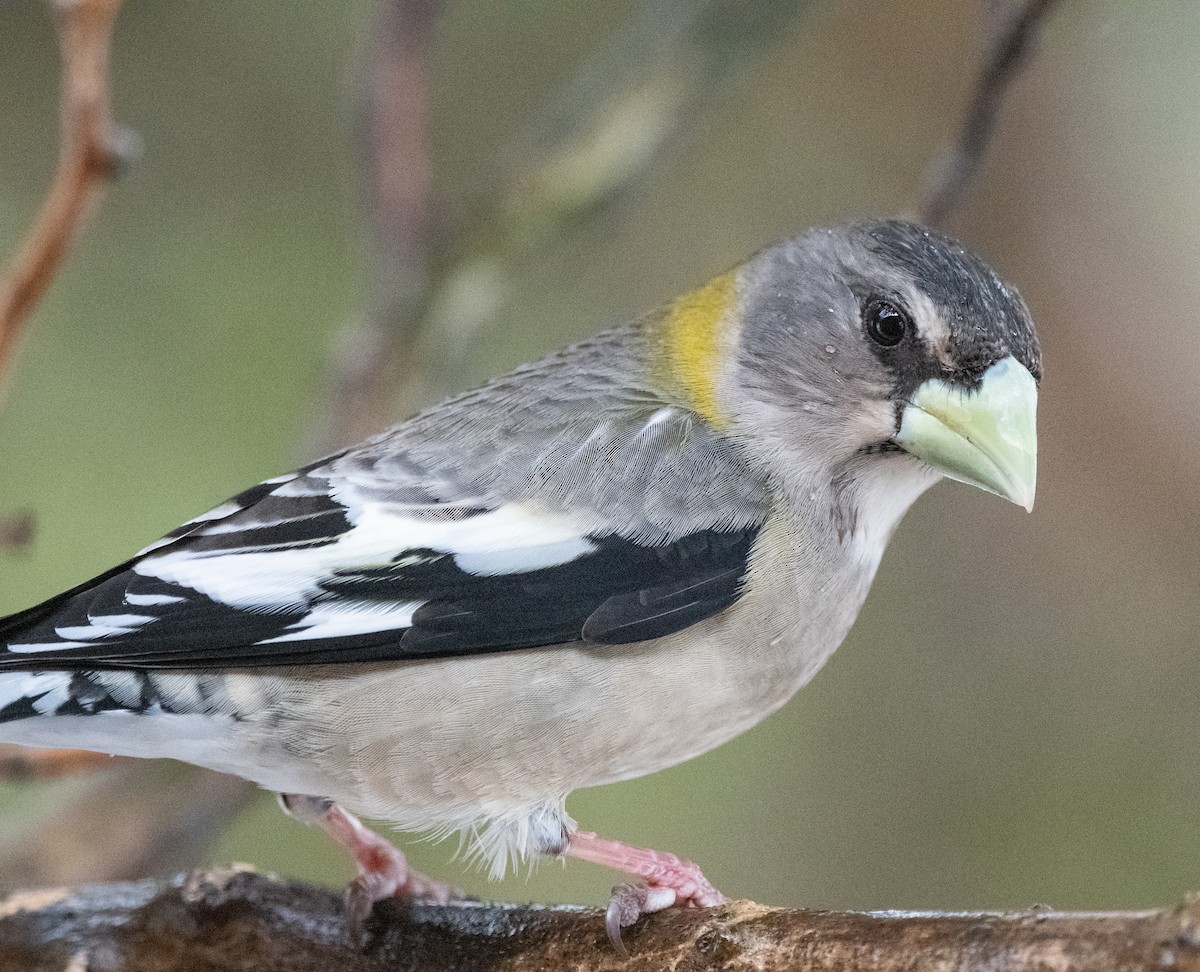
point(694, 334)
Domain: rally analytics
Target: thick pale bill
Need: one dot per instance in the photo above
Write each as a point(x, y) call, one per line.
point(985, 437)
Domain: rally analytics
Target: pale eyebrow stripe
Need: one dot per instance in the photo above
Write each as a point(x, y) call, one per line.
point(932, 327)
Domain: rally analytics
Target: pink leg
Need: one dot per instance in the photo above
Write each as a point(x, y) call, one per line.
point(383, 871)
point(668, 879)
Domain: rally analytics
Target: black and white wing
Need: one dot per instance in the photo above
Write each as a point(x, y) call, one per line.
point(303, 570)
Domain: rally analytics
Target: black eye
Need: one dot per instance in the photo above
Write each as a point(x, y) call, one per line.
point(885, 323)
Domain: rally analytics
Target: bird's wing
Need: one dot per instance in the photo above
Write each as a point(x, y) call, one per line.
point(360, 559)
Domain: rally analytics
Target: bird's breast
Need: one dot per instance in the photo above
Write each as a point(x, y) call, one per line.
point(431, 739)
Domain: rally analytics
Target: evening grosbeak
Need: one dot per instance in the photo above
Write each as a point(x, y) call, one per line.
point(592, 568)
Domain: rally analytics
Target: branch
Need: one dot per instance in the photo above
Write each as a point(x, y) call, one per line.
point(374, 355)
point(170, 829)
point(90, 154)
point(959, 161)
point(237, 920)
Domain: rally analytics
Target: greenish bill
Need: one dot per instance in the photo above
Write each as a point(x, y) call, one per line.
point(986, 437)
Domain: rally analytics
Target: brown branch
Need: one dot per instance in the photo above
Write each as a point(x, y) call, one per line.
point(236, 920)
point(375, 355)
point(77, 842)
point(89, 156)
point(118, 819)
point(1011, 42)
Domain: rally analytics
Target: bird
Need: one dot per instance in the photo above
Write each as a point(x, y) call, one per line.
point(594, 567)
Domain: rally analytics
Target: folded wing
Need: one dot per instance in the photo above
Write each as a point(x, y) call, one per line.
point(295, 571)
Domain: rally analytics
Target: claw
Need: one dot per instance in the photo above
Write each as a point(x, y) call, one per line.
point(628, 903)
point(360, 904)
point(615, 918)
point(383, 872)
point(669, 881)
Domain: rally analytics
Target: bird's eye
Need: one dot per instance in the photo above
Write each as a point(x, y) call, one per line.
point(885, 323)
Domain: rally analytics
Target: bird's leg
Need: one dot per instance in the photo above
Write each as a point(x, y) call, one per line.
point(668, 880)
point(383, 871)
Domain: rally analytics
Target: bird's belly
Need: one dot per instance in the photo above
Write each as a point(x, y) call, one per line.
point(487, 735)
point(446, 742)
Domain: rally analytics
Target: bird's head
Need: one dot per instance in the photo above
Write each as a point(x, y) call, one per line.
point(882, 352)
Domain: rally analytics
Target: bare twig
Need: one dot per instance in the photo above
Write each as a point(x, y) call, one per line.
point(89, 156)
point(375, 353)
point(1011, 40)
point(236, 920)
point(155, 831)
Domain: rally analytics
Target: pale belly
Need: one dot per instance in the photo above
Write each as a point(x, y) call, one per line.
point(447, 743)
point(512, 730)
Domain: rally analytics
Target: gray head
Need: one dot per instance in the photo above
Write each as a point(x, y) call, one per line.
point(850, 352)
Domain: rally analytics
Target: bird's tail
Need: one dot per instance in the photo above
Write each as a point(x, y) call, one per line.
point(116, 712)
point(25, 695)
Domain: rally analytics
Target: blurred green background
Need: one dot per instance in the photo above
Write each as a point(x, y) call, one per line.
point(1013, 718)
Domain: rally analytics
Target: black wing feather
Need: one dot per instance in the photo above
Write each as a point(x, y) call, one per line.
point(621, 592)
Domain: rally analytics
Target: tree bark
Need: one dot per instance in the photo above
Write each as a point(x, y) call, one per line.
point(238, 920)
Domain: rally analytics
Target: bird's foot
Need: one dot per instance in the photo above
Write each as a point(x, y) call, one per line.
point(383, 875)
point(383, 871)
point(668, 881)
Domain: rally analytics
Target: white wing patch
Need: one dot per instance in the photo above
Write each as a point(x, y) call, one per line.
point(513, 538)
point(335, 619)
point(103, 626)
point(151, 600)
point(46, 692)
point(492, 563)
point(38, 647)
